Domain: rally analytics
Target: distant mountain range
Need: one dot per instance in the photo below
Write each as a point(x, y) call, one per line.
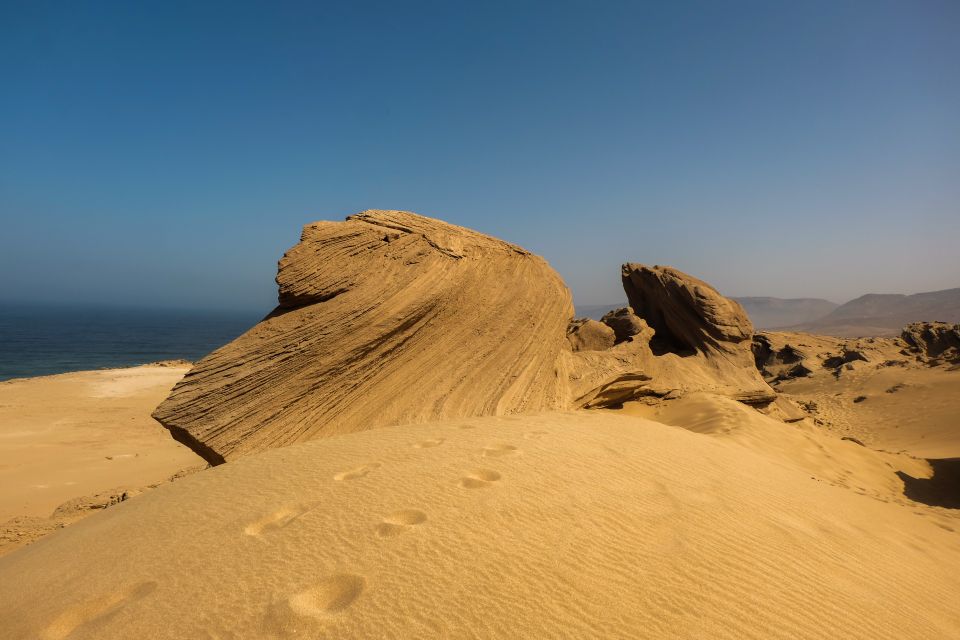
point(769, 313)
point(873, 314)
point(877, 314)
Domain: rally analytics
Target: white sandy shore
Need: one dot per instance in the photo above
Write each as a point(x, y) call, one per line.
point(67, 436)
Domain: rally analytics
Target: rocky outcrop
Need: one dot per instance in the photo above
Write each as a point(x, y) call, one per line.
point(687, 314)
point(688, 338)
point(625, 324)
point(391, 318)
point(386, 318)
point(589, 335)
point(934, 342)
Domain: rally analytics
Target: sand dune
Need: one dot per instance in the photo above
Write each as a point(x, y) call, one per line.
point(587, 524)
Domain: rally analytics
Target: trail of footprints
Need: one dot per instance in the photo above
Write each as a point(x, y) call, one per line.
point(336, 593)
point(400, 521)
point(356, 472)
point(329, 596)
point(88, 615)
point(479, 479)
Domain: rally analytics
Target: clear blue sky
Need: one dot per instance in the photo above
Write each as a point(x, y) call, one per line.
point(167, 153)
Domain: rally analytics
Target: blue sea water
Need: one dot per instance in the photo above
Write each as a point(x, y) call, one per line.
point(37, 340)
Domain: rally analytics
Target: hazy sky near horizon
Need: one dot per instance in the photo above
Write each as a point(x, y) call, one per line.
point(167, 153)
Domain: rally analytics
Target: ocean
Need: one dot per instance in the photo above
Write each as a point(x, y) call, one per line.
point(39, 340)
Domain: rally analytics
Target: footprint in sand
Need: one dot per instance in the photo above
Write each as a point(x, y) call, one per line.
point(279, 519)
point(329, 596)
point(357, 472)
point(89, 615)
point(426, 444)
point(498, 450)
point(399, 521)
point(479, 478)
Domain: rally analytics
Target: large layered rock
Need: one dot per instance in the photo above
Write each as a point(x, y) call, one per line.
point(387, 318)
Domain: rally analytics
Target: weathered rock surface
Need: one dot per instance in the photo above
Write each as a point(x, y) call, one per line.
point(625, 324)
point(687, 314)
point(589, 335)
point(387, 318)
point(690, 339)
point(935, 342)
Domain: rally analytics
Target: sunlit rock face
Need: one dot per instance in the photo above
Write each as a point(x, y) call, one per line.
point(386, 318)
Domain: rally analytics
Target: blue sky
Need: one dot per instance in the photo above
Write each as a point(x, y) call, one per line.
point(167, 153)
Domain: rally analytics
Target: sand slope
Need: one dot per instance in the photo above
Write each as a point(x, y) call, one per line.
point(882, 393)
point(587, 524)
point(916, 411)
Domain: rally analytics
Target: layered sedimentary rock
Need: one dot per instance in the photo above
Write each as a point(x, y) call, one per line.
point(678, 335)
point(586, 334)
point(687, 314)
point(384, 319)
point(625, 324)
point(392, 318)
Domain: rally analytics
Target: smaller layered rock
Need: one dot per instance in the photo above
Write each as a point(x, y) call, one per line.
point(687, 314)
point(589, 335)
point(933, 342)
point(679, 335)
point(625, 324)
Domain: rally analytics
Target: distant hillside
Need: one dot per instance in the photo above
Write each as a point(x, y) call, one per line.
point(771, 313)
point(765, 313)
point(878, 314)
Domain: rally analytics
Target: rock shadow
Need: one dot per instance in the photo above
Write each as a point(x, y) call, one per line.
point(942, 489)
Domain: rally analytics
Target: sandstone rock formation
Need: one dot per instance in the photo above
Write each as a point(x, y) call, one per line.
point(589, 335)
point(625, 324)
point(688, 338)
point(387, 318)
point(687, 314)
point(392, 318)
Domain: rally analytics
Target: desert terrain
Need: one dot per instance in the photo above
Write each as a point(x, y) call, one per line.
point(421, 441)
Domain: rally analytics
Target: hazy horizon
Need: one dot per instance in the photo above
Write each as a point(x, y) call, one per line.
point(167, 155)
